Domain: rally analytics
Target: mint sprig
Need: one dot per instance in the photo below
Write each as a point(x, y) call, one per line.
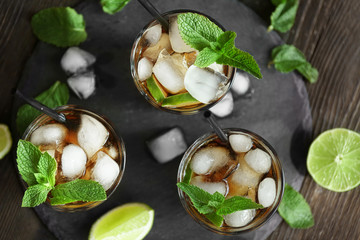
point(113, 6)
point(295, 210)
point(283, 18)
point(39, 169)
point(214, 206)
point(214, 44)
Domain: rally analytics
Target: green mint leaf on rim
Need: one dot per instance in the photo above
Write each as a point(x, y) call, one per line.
point(188, 174)
point(42, 179)
point(237, 203)
point(287, 58)
point(295, 210)
point(113, 6)
point(35, 195)
point(198, 196)
point(214, 44)
point(283, 18)
point(62, 27)
point(217, 220)
point(56, 95)
point(47, 167)
point(28, 156)
point(77, 190)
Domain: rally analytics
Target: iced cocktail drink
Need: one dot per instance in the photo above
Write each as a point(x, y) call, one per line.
point(248, 167)
point(162, 66)
point(85, 147)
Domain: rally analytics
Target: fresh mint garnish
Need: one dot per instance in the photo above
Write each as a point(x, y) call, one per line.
point(214, 206)
point(77, 190)
point(287, 58)
point(39, 169)
point(62, 26)
point(113, 6)
point(188, 174)
point(295, 210)
point(283, 18)
point(214, 44)
point(56, 95)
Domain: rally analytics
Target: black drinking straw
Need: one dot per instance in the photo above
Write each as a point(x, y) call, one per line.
point(59, 117)
point(155, 13)
point(215, 126)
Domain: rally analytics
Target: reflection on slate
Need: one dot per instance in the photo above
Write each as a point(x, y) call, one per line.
point(278, 110)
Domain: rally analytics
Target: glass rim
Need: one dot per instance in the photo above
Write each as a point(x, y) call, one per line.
point(120, 145)
point(133, 70)
point(199, 142)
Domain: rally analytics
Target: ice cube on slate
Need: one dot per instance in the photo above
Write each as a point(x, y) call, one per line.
point(105, 171)
point(50, 134)
point(177, 43)
point(241, 83)
point(210, 187)
point(224, 107)
point(217, 67)
point(76, 60)
point(170, 72)
point(153, 52)
point(258, 160)
point(168, 145)
point(92, 135)
point(209, 159)
point(240, 143)
point(240, 218)
point(73, 161)
point(82, 84)
point(245, 176)
point(203, 83)
point(144, 68)
point(267, 192)
point(153, 34)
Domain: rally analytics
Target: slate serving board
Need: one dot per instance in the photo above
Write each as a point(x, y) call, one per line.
point(278, 110)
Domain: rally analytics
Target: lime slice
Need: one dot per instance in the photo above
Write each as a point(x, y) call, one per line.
point(5, 140)
point(131, 221)
point(334, 160)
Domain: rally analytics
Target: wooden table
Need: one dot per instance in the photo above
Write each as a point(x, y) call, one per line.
point(327, 31)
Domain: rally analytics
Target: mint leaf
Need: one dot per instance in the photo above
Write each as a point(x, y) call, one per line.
point(42, 179)
point(277, 2)
point(28, 156)
point(35, 195)
point(237, 203)
point(287, 58)
point(197, 30)
point(283, 18)
point(215, 219)
point(206, 57)
point(47, 167)
point(56, 95)
point(113, 6)
point(198, 196)
point(62, 26)
point(188, 174)
point(295, 210)
point(77, 190)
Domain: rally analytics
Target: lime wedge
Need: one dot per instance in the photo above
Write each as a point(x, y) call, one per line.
point(334, 160)
point(131, 221)
point(5, 140)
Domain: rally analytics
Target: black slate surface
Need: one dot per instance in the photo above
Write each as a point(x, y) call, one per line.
point(278, 110)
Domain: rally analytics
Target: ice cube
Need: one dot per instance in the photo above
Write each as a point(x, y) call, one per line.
point(240, 143)
point(51, 152)
point(153, 34)
point(73, 161)
point(153, 52)
point(112, 152)
point(210, 187)
point(240, 218)
point(217, 67)
point(170, 72)
point(92, 135)
point(241, 83)
point(144, 68)
point(209, 159)
point(76, 60)
point(258, 160)
point(224, 107)
point(82, 84)
point(190, 57)
point(50, 134)
point(203, 83)
point(168, 145)
point(177, 43)
point(105, 171)
point(245, 176)
point(267, 192)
